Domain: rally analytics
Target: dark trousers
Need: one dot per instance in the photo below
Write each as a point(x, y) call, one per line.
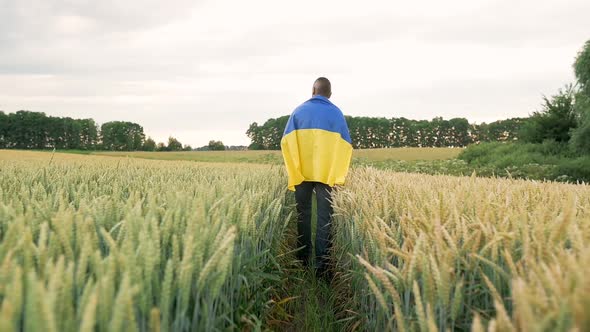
point(303, 195)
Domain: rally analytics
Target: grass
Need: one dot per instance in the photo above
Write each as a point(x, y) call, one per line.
point(408, 160)
point(359, 156)
point(314, 309)
point(257, 157)
point(549, 160)
point(376, 155)
point(308, 302)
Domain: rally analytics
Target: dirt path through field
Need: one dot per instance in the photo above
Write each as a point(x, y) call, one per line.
point(314, 307)
point(307, 302)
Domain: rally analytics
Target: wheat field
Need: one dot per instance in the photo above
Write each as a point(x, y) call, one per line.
point(436, 253)
point(110, 244)
point(274, 157)
point(98, 243)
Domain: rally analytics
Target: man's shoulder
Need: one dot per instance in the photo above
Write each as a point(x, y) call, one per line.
point(303, 108)
point(337, 108)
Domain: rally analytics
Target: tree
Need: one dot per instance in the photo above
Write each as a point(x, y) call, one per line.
point(73, 133)
point(216, 146)
point(35, 130)
point(88, 134)
point(26, 130)
point(122, 136)
point(149, 145)
point(3, 130)
point(267, 136)
point(581, 135)
point(501, 130)
point(582, 68)
point(458, 134)
point(174, 144)
point(554, 122)
point(370, 132)
point(187, 148)
point(161, 147)
point(254, 133)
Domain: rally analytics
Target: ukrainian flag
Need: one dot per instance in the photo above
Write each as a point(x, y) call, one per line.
point(316, 144)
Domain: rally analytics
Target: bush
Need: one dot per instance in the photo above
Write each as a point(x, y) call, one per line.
point(515, 154)
point(573, 170)
point(550, 160)
point(216, 146)
point(554, 122)
point(581, 136)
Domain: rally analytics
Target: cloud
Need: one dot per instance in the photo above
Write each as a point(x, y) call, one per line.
point(195, 68)
point(55, 18)
point(514, 24)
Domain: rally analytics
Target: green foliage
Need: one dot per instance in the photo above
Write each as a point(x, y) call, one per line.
point(582, 68)
point(149, 145)
point(122, 136)
point(547, 161)
point(216, 146)
point(573, 170)
point(580, 140)
point(499, 131)
point(267, 136)
point(34, 130)
point(554, 122)
point(97, 244)
point(455, 167)
point(255, 135)
point(255, 146)
point(436, 253)
point(371, 133)
point(503, 155)
point(3, 129)
point(581, 135)
point(173, 144)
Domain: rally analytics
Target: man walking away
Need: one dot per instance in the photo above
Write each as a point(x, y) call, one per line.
point(317, 149)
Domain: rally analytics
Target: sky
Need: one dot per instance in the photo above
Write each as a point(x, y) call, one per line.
point(202, 70)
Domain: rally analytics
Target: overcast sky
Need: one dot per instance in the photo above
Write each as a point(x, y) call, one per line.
point(201, 70)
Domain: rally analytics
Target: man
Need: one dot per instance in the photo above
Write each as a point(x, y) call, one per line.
point(317, 149)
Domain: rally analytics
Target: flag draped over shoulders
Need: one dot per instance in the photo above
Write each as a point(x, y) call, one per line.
point(316, 144)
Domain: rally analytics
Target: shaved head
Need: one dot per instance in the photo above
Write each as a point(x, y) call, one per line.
point(322, 87)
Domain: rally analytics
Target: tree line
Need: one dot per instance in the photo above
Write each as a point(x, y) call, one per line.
point(373, 132)
point(564, 118)
point(35, 130)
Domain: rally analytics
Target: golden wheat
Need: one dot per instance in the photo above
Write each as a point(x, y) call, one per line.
point(111, 244)
point(101, 243)
point(469, 252)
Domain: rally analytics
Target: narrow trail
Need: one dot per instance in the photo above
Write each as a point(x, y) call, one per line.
point(306, 302)
point(314, 307)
